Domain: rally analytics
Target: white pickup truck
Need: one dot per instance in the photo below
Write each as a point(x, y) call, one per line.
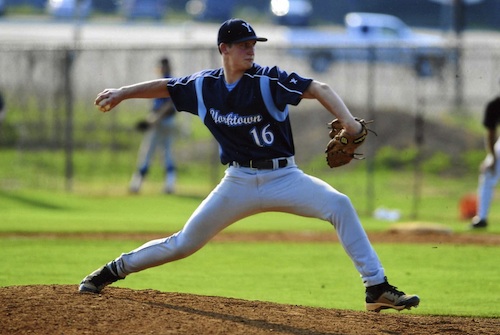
point(370, 37)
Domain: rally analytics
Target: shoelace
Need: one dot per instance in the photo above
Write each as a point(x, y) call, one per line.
point(394, 290)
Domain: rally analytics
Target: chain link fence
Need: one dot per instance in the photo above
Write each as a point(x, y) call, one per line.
point(53, 137)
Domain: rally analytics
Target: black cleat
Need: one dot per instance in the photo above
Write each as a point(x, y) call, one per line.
point(385, 296)
point(478, 223)
point(99, 279)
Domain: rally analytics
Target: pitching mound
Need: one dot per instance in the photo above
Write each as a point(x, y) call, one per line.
point(421, 228)
point(60, 309)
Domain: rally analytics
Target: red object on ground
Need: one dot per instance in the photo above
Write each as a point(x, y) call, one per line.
point(468, 206)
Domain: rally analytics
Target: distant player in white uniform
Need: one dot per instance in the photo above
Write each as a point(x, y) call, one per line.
point(490, 168)
point(245, 106)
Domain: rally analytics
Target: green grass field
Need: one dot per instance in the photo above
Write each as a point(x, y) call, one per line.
point(450, 279)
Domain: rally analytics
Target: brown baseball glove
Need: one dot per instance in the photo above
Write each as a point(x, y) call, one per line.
point(342, 146)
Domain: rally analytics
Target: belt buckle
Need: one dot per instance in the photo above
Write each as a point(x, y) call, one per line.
point(251, 164)
point(276, 163)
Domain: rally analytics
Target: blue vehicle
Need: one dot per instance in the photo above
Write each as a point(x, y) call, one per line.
point(3, 7)
point(144, 9)
point(370, 37)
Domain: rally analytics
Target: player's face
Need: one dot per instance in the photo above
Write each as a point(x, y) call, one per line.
point(243, 54)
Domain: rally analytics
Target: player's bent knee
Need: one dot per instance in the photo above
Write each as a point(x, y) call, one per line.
point(341, 209)
point(342, 201)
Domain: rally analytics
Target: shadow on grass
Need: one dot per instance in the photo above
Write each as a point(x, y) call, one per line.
point(30, 201)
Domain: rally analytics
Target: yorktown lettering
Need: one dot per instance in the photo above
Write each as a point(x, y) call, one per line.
point(234, 120)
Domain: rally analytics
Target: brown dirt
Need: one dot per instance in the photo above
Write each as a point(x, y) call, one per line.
point(60, 309)
point(405, 233)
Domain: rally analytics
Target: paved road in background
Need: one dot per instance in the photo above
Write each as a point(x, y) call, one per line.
point(116, 32)
point(45, 31)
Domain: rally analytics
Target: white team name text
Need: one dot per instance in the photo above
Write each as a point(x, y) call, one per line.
point(234, 120)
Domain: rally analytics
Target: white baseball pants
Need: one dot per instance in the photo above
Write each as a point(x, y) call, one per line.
point(246, 191)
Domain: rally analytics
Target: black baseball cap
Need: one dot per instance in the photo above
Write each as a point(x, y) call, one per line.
point(236, 31)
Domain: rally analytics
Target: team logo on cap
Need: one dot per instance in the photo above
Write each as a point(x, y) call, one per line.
point(246, 25)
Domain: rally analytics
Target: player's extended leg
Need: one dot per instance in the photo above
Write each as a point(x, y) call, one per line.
point(233, 199)
point(305, 195)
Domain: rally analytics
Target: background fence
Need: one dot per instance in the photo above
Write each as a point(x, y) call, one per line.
point(53, 131)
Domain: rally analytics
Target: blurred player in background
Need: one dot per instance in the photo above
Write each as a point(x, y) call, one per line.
point(159, 133)
point(489, 171)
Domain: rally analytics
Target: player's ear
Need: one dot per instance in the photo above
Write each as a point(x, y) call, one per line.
point(223, 48)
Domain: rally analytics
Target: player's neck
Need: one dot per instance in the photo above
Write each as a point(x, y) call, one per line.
point(232, 76)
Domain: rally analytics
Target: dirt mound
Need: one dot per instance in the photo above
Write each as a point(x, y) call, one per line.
point(60, 309)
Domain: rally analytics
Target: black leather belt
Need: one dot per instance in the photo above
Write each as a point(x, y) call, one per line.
point(263, 164)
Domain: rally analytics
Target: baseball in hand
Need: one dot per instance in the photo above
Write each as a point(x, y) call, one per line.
point(103, 107)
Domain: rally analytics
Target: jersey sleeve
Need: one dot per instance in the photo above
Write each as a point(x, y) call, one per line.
point(183, 93)
point(289, 88)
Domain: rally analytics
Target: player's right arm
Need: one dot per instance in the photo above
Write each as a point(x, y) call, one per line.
point(111, 97)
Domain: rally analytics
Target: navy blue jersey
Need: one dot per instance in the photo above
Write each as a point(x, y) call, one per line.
point(249, 122)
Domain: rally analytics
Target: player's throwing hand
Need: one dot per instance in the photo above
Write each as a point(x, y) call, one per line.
point(104, 101)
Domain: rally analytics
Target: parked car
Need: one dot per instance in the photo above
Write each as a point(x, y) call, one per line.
point(3, 7)
point(370, 37)
point(67, 9)
point(105, 6)
point(291, 12)
point(144, 9)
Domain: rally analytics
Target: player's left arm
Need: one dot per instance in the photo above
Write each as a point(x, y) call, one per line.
point(334, 104)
